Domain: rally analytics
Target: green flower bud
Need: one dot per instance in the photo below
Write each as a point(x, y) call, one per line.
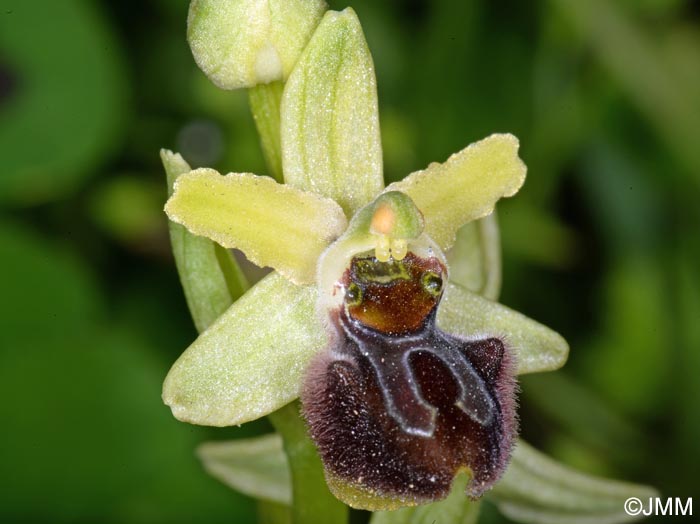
point(241, 43)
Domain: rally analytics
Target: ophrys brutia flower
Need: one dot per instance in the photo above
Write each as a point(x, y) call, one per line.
point(395, 404)
point(429, 379)
point(412, 376)
point(406, 375)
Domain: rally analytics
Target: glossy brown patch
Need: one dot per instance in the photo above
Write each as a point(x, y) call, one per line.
point(394, 297)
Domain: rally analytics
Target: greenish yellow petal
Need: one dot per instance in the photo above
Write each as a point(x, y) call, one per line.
point(536, 489)
point(273, 224)
point(466, 187)
point(251, 360)
point(536, 347)
point(210, 277)
point(329, 116)
point(241, 43)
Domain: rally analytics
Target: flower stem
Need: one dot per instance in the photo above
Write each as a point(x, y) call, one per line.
point(273, 513)
point(265, 105)
point(311, 499)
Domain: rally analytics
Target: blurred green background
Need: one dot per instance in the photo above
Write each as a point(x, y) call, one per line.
point(602, 244)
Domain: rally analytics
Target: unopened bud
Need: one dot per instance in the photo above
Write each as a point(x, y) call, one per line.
point(241, 43)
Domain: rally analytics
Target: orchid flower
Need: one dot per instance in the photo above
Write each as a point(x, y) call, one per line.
point(406, 372)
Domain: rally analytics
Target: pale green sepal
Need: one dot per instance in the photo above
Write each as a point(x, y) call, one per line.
point(535, 347)
point(466, 187)
point(273, 224)
point(210, 277)
point(455, 509)
point(537, 490)
point(475, 258)
point(251, 360)
point(329, 116)
point(241, 43)
point(256, 467)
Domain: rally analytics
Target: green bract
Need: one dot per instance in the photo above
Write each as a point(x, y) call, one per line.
point(210, 277)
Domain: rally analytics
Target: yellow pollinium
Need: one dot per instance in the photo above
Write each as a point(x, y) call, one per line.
point(383, 226)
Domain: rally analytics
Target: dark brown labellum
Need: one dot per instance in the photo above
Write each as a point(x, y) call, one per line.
point(396, 406)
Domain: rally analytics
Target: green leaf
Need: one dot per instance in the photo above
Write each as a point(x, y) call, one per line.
point(210, 277)
point(466, 187)
point(329, 116)
point(537, 490)
point(241, 43)
point(273, 224)
point(475, 258)
point(256, 467)
point(536, 347)
point(61, 115)
point(455, 509)
point(251, 360)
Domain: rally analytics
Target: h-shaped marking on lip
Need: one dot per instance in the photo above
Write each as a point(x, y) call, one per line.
point(400, 391)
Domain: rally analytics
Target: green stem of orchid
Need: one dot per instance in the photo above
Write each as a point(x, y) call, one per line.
point(311, 499)
point(273, 513)
point(265, 105)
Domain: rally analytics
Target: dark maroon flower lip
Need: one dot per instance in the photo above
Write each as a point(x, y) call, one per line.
point(396, 406)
